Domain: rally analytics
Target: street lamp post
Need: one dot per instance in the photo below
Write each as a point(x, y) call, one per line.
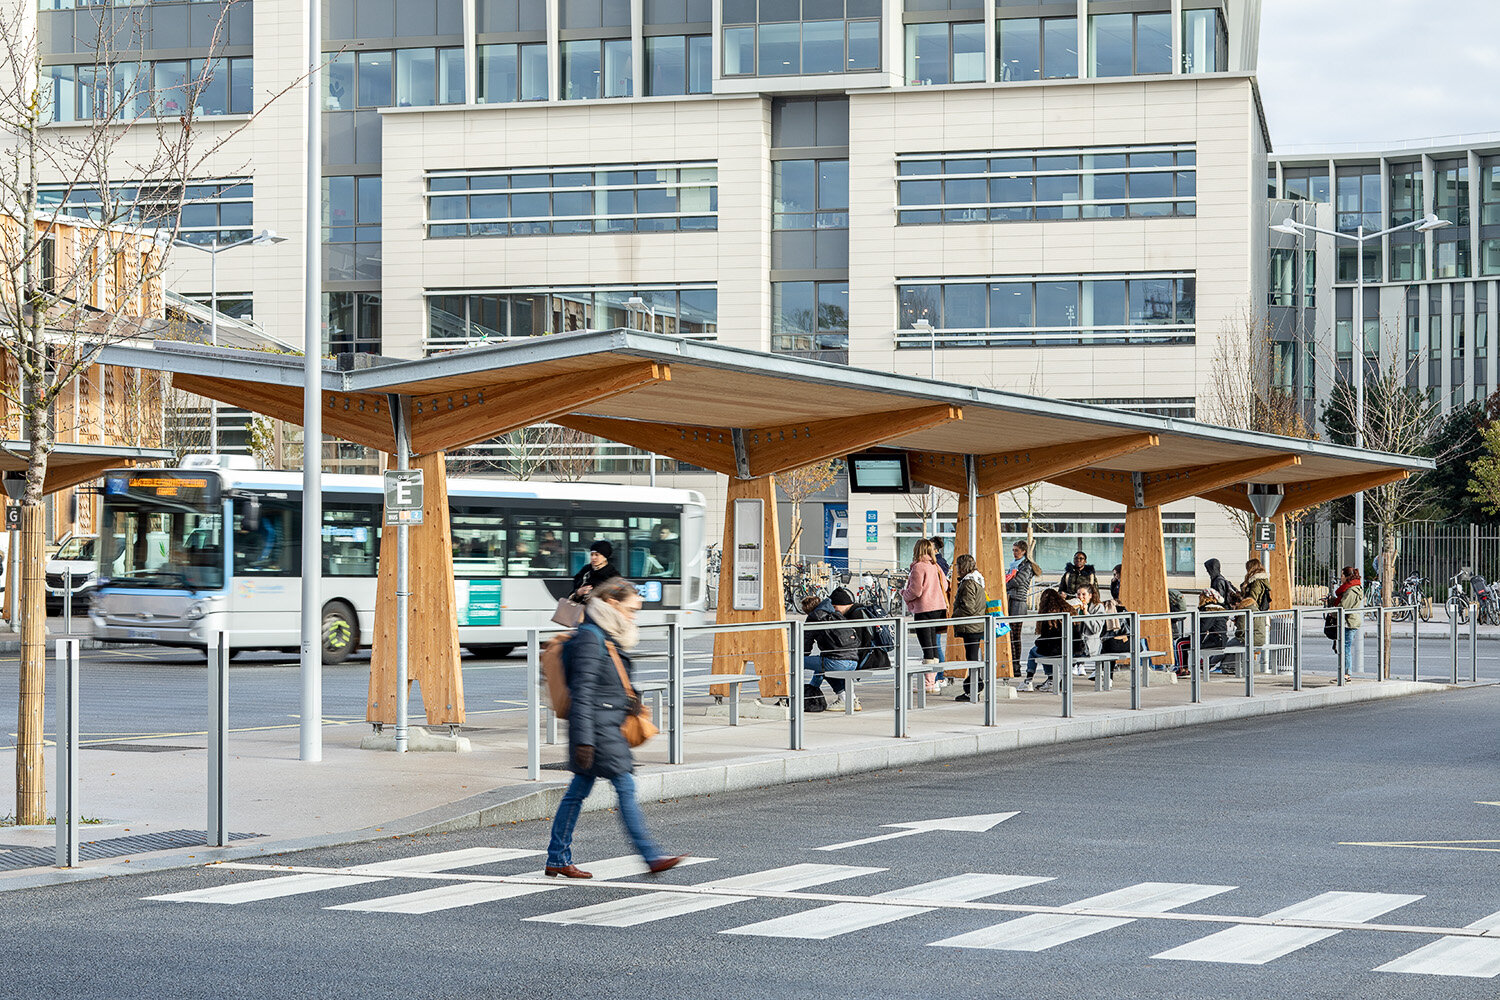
point(924, 327)
point(637, 305)
point(1357, 345)
point(213, 250)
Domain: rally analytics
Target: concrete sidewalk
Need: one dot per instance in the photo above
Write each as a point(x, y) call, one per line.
point(158, 786)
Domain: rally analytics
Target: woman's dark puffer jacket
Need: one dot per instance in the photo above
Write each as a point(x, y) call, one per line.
point(599, 703)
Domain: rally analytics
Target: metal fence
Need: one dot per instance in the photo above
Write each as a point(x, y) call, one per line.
point(1433, 550)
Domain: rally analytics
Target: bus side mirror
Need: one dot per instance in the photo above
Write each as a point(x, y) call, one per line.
point(251, 516)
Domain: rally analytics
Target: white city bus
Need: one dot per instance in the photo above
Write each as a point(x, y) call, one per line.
point(186, 552)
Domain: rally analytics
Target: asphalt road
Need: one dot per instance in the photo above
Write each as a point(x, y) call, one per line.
point(131, 692)
point(1244, 820)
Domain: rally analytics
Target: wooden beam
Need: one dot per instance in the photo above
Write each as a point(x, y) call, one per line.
point(1113, 486)
point(453, 420)
point(61, 477)
point(707, 447)
point(990, 560)
point(1166, 487)
point(362, 419)
point(1230, 496)
point(781, 449)
point(1300, 496)
point(1143, 573)
point(735, 652)
point(1279, 565)
point(1004, 471)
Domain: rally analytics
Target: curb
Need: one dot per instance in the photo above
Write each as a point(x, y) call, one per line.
point(516, 804)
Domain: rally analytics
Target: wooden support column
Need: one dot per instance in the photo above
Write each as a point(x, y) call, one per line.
point(733, 651)
point(1143, 573)
point(990, 558)
point(955, 648)
point(1279, 565)
point(433, 651)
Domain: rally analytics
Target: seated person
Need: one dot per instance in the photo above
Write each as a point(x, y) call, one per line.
point(1048, 638)
point(838, 648)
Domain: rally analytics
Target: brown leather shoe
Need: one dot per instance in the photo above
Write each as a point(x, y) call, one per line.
point(568, 871)
point(662, 864)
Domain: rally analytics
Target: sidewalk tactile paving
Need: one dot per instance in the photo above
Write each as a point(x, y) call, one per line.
point(16, 858)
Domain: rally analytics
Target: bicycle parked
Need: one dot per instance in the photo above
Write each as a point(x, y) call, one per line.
point(1411, 594)
point(1457, 604)
point(1486, 601)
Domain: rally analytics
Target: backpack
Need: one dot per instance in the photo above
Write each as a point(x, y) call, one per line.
point(881, 637)
point(812, 699)
point(555, 674)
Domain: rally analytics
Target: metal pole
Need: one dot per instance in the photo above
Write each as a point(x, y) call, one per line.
point(1135, 659)
point(67, 596)
point(1249, 653)
point(213, 340)
point(1193, 665)
point(1415, 633)
point(902, 638)
point(1453, 647)
point(674, 692)
point(794, 683)
point(1381, 667)
point(311, 729)
point(1338, 646)
point(66, 815)
point(1473, 645)
point(991, 674)
point(1065, 674)
point(1358, 354)
point(218, 737)
point(1296, 650)
point(533, 705)
point(403, 585)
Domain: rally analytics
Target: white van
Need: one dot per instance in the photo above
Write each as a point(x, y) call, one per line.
point(78, 553)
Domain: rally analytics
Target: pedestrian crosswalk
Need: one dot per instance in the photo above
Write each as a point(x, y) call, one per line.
point(822, 907)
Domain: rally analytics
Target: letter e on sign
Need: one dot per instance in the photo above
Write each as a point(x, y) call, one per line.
point(403, 497)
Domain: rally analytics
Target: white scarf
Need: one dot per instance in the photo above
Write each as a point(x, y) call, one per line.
point(624, 631)
point(976, 576)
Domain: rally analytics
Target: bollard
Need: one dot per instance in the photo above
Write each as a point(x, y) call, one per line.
point(795, 683)
point(1296, 650)
point(66, 814)
point(218, 737)
point(1193, 659)
point(1135, 660)
point(1065, 673)
point(533, 705)
point(901, 679)
point(67, 602)
point(675, 699)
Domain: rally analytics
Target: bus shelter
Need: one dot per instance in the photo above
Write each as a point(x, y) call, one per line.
point(752, 415)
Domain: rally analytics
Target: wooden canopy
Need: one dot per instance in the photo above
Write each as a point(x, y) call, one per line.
point(71, 464)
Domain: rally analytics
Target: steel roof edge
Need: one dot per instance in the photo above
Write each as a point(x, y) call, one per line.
point(235, 363)
point(85, 450)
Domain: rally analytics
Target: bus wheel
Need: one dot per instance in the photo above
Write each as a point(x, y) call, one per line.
point(340, 632)
point(489, 651)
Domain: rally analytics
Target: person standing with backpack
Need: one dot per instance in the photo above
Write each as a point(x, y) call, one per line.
point(926, 597)
point(970, 602)
point(838, 648)
point(1257, 587)
point(1350, 594)
point(598, 668)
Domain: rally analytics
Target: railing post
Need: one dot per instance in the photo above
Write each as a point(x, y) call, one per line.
point(1065, 673)
point(1338, 645)
point(1453, 646)
point(1135, 659)
point(1249, 652)
point(1194, 661)
point(67, 601)
point(991, 673)
point(218, 738)
point(675, 700)
point(1474, 646)
point(1296, 650)
point(66, 814)
point(794, 684)
point(1382, 667)
point(902, 638)
point(533, 705)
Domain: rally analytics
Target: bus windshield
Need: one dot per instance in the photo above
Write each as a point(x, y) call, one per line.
point(162, 549)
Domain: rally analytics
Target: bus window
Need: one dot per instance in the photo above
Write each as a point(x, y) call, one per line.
point(585, 531)
point(349, 541)
point(537, 546)
point(655, 548)
point(271, 547)
point(478, 542)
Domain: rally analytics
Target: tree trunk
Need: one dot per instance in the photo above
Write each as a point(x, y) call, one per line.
point(31, 774)
point(794, 537)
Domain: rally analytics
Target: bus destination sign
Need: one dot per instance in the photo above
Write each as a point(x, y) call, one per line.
point(195, 489)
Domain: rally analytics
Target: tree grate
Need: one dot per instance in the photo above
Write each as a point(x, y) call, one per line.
point(14, 857)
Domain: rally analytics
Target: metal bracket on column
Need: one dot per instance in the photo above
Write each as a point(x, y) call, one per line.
point(741, 454)
point(1138, 481)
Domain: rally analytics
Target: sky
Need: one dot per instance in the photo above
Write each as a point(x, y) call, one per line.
point(1375, 72)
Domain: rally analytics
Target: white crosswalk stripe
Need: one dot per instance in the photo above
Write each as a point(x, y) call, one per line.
point(845, 918)
point(266, 888)
point(1040, 931)
point(450, 897)
point(1250, 944)
point(662, 905)
point(1477, 958)
point(444, 861)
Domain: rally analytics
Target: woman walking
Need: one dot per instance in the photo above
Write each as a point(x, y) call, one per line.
point(597, 667)
point(968, 602)
point(926, 596)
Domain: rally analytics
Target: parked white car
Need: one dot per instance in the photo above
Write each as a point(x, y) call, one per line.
point(78, 553)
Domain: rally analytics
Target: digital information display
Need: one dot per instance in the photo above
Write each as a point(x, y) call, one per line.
point(880, 472)
point(196, 490)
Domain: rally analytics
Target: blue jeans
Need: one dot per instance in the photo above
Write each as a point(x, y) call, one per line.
point(560, 850)
point(817, 664)
point(1031, 665)
point(1351, 640)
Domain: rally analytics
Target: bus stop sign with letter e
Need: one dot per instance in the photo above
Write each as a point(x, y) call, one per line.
point(403, 497)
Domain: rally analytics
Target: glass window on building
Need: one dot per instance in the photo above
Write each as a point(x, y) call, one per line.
point(1359, 198)
point(1130, 44)
point(1451, 191)
point(1406, 193)
point(1489, 191)
point(1309, 278)
point(512, 72)
point(1205, 42)
point(496, 16)
point(1031, 48)
point(1283, 276)
point(808, 317)
point(1306, 184)
point(351, 322)
point(810, 194)
point(678, 64)
point(944, 52)
point(678, 12)
point(463, 320)
point(596, 67)
point(1450, 254)
point(792, 37)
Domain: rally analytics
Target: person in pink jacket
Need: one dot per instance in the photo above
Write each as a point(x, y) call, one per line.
point(926, 597)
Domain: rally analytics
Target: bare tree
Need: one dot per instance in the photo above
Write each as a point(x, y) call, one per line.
point(798, 486)
point(70, 286)
point(570, 455)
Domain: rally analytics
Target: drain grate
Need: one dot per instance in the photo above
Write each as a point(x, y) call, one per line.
point(137, 747)
point(14, 857)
